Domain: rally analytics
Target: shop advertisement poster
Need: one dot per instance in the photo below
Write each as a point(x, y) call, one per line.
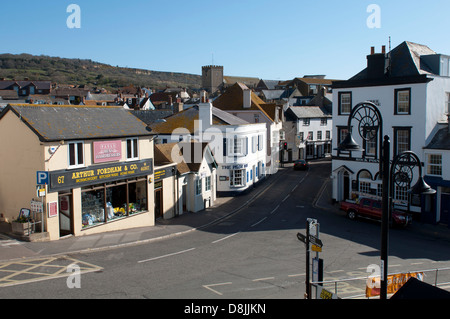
point(394, 283)
point(107, 151)
point(52, 209)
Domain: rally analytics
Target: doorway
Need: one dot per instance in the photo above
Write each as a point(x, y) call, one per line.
point(65, 204)
point(158, 203)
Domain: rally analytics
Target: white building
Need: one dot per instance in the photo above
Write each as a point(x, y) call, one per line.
point(410, 86)
point(308, 132)
point(241, 102)
point(238, 147)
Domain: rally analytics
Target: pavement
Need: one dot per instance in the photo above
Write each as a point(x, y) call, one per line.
point(11, 248)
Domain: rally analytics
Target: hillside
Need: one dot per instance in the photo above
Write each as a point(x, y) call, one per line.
point(90, 73)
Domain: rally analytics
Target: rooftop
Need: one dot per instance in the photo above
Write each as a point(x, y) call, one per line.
point(69, 122)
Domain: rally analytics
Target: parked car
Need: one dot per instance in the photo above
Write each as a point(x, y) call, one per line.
point(371, 208)
point(301, 165)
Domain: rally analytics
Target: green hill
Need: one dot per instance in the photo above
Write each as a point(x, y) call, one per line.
point(90, 73)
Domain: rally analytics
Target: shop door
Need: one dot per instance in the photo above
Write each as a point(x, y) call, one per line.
point(158, 203)
point(445, 209)
point(65, 214)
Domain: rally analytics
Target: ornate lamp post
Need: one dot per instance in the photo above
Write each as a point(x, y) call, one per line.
point(370, 123)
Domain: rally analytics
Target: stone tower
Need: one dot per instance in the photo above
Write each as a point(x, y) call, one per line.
point(212, 77)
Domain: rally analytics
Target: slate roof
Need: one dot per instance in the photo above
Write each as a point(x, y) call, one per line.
point(405, 61)
point(441, 140)
point(40, 85)
point(186, 120)
point(68, 122)
point(300, 112)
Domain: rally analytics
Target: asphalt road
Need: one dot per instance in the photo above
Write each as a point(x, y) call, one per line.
point(253, 254)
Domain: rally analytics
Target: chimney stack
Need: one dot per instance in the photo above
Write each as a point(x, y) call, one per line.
point(247, 96)
point(383, 49)
point(372, 50)
point(203, 96)
point(205, 115)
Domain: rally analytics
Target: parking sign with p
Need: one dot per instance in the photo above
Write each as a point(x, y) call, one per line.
point(41, 178)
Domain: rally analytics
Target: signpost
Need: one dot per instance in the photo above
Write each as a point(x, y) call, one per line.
point(312, 242)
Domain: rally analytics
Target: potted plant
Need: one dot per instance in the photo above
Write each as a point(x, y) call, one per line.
point(22, 225)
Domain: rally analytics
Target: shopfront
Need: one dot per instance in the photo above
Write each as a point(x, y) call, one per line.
point(99, 163)
point(107, 193)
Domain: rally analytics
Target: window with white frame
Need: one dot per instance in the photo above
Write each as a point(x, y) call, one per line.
point(260, 142)
point(198, 186)
point(76, 156)
point(237, 177)
point(364, 187)
point(254, 143)
point(306, 122)
point(323, 121)
point(345, 102)
point(401, 193)
point(237, 146)
point(132, 148)
point(403, 101)
point(208, 183)
point(319, 135)
point(434, 166)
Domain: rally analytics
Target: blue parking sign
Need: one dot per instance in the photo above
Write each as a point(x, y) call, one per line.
point(41, 178)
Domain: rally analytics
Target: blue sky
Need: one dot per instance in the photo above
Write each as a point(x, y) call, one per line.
point(269, 39)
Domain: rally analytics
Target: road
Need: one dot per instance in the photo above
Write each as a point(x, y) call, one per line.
point(252, 254)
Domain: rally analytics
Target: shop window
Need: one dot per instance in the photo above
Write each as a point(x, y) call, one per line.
point(76, 157)
point(107, 202)
point(132, 148)
point(237, 177)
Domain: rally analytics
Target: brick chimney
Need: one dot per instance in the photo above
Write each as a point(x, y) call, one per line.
point(377, 64)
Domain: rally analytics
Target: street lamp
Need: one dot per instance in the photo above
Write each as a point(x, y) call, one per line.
point(370, 125)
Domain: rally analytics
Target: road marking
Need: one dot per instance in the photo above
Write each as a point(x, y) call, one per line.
point(297, 275)
point(262, 279)
point(275, 209)
point(259, 222)
point(216, 241)
point(284, 199)
point(333, 271)
point(38, 269)
point(417, 263)
point(168, 255)
point(213, 285)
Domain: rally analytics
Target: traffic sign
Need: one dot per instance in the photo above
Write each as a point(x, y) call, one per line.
point(316, 248)
point(41, 178)
point(301, 237)
point(315, 241)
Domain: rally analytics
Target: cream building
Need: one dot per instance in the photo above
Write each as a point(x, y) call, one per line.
point(99, 163)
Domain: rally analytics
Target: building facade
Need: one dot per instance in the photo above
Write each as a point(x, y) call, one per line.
point(411, 96)
point(98, 162)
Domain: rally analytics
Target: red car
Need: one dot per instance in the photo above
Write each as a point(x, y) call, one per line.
point(371, 208)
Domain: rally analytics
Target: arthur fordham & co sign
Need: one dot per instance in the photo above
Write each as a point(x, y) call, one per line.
point(98, 174)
